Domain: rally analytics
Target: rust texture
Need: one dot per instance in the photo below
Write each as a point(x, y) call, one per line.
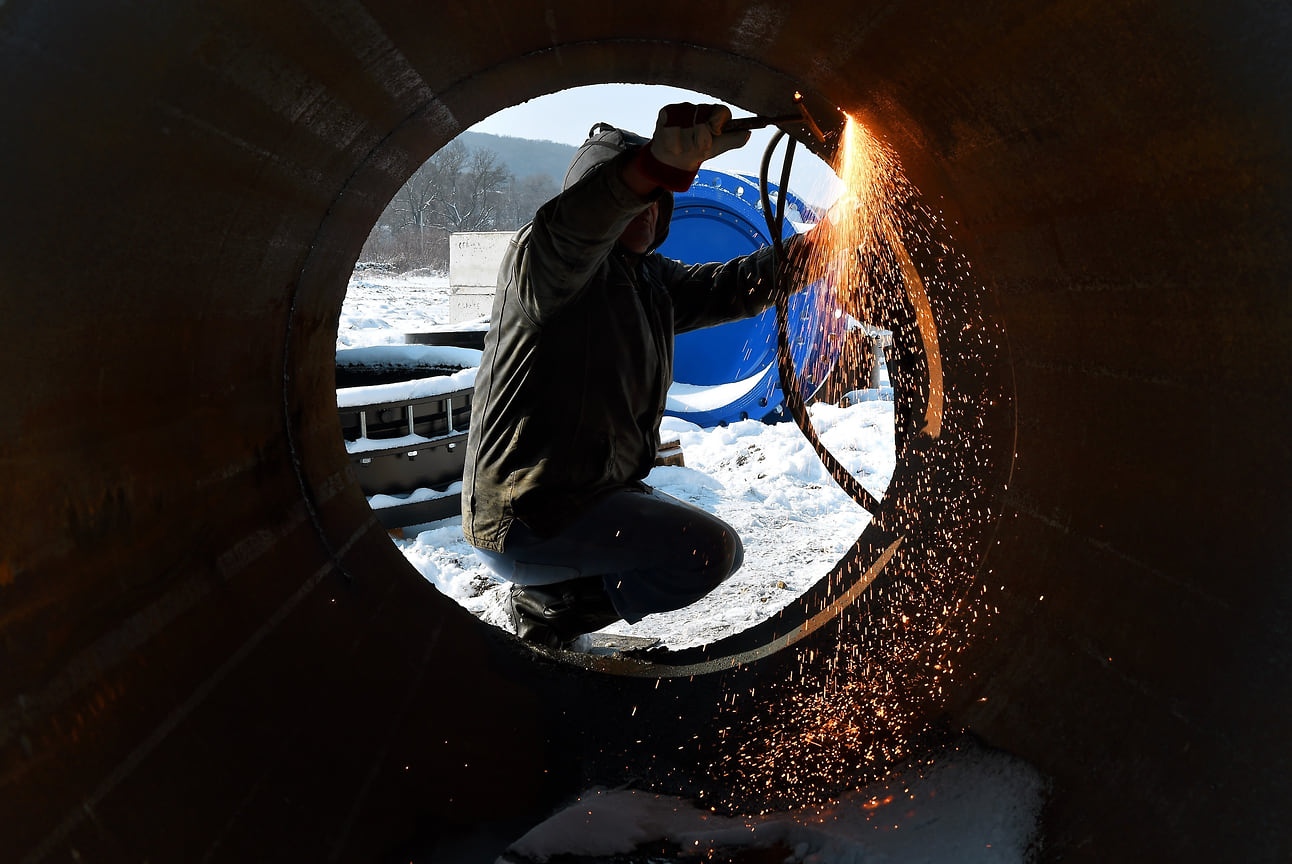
point(211, 650)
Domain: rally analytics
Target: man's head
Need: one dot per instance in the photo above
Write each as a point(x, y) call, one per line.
point(604, 143)
point(639, 236)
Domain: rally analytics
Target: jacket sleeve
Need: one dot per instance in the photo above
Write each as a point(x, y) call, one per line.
point(570, 238)
point(707, 294)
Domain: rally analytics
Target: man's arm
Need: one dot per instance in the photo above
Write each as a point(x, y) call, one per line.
point(708, 294)
point(635, 178)
point(685, 137)
point(572, 234)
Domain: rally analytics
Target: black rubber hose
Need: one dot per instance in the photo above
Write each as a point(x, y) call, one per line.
point(784, 356)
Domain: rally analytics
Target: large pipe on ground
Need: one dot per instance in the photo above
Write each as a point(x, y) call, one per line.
point(211, 650)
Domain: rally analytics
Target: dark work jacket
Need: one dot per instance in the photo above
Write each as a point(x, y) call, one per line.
point(579, 358)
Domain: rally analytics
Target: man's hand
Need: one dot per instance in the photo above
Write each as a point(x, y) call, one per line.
point(685, 136)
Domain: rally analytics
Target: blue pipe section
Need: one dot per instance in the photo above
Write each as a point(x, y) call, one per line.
point(728, 373)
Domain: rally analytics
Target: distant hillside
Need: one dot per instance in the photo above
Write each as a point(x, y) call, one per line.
point(522, 156)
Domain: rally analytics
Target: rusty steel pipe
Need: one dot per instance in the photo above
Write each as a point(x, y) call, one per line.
point(212, 651)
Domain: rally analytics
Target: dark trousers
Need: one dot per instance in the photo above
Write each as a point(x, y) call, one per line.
point(653, 552)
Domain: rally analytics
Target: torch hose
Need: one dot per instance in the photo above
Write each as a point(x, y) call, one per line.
point(775, 218)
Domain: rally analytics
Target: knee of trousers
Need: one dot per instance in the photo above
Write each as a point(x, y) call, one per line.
point(719, 557)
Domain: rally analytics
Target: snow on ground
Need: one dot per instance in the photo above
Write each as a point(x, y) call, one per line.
point(765, 480)
point(380, 307)
point(972, 806)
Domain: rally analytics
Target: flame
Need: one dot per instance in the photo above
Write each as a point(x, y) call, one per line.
point(850, 244)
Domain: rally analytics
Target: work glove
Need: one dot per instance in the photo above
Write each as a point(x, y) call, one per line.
point(685, 136)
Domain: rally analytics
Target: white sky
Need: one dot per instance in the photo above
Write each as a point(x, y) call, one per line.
point(566, 117)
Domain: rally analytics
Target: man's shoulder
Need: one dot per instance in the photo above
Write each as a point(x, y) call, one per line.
point(661, 265)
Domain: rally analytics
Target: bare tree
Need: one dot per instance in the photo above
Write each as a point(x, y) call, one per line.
point(473, 193)
point(524, 198)
point(423, 198)
point(457, 189)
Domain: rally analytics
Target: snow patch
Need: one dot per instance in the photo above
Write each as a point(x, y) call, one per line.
point(973, 806)
point(406, 391)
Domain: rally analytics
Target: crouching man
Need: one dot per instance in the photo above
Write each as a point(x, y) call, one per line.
point(572, 385)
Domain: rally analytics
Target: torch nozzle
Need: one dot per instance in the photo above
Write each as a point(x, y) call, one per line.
point(761, 121)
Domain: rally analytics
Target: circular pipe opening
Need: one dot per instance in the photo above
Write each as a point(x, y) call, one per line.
point(846, 584)
point(780, 565)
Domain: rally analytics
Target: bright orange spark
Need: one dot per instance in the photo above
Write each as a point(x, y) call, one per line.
point(861, 710)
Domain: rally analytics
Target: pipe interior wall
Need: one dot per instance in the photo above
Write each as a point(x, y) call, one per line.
point(212, 650)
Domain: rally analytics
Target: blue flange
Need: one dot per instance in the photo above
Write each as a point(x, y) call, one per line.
point(728, 373)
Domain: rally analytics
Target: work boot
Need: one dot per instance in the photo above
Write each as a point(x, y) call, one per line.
point(556, 615)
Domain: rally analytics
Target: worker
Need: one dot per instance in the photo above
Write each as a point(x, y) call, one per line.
point(572, 385)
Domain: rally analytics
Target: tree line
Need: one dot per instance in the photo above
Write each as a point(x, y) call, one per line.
point(457, 189)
